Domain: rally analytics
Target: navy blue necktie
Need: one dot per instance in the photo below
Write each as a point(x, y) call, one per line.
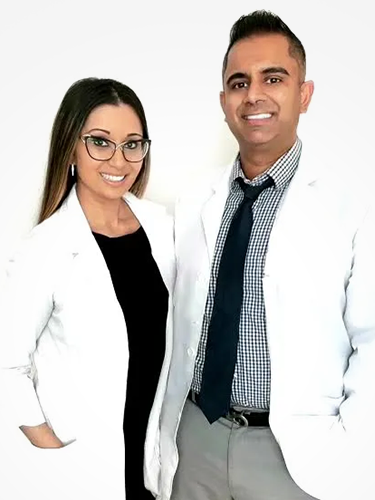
point(223, 331)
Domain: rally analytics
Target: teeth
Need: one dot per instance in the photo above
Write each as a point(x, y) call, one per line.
point(113, 178)
point(262, 116)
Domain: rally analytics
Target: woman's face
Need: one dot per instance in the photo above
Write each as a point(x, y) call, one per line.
point(102, 177)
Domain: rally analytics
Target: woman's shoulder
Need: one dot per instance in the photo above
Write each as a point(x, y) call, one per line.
point(149, 209)
point(146, 203)
point(41, 244)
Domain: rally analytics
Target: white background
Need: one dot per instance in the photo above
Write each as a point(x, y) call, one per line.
point(171, 54)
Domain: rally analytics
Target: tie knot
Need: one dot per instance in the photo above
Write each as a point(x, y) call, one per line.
point(252, 192)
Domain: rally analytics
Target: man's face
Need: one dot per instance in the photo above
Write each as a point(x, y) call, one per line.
point(264, 93)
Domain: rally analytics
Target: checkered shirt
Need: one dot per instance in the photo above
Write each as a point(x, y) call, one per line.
point(252, 376)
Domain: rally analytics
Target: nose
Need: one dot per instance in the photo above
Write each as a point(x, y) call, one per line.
point(255, 93)
point(117, 160)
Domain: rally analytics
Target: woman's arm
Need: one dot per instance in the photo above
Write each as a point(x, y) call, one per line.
point(41, 436)
point(25, 308)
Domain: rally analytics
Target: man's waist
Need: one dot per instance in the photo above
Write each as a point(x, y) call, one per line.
point(244, 398)
point(242, 416)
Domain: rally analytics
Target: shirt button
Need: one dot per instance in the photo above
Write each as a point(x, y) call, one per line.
point(191, 352)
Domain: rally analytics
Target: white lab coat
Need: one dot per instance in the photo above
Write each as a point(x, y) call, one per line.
point(64, 359)
point(319, 293)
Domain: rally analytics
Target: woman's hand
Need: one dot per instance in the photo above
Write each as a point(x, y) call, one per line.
point(42, 436)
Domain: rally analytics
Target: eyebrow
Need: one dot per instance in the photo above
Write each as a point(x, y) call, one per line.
point(99, 130)
point(134, 133)
point(109, 133)
point(265, 71)
point(236, 76)
point(275, 69)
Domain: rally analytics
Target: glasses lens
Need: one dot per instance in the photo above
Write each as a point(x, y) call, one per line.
point(135, 150)
point(99, 148)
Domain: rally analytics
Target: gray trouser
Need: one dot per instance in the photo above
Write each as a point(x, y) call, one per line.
point(224, 461)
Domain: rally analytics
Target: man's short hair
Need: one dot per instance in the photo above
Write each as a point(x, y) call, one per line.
point(261, 22)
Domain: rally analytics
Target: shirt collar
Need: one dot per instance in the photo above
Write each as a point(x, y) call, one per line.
point(281, 171)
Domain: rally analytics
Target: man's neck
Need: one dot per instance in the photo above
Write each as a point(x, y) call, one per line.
point(256, 161)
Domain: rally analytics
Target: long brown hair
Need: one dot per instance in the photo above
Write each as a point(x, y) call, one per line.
point(82, 98)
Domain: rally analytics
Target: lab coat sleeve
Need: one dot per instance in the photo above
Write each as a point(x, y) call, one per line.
point(339, 457)
point(25, 307)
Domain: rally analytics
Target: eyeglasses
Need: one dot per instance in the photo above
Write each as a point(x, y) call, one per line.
point(102, 149)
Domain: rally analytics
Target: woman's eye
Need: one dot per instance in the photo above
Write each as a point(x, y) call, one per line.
point(131, 145)
point(98, 141)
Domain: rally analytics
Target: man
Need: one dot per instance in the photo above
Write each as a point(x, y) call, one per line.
point(274, 300)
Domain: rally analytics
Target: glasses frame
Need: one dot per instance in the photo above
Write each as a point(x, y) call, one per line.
point(84, 138)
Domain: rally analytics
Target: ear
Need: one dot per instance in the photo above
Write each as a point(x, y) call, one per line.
point(222, 100)
point(307, 90)
point(223, 104)
point(73, 157)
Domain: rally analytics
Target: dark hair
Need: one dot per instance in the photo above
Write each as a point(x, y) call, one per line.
point(265, 22)
point(82, 98)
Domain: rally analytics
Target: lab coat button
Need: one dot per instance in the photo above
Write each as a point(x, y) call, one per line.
point(191, 352)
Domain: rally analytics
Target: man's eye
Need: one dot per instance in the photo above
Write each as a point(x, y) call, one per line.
point(98, 141)
point(240, 85)
point(273, 79)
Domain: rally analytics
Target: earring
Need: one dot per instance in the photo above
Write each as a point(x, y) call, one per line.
point(72, 169)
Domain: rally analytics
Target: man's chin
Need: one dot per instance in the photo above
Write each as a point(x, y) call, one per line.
point(258, 140)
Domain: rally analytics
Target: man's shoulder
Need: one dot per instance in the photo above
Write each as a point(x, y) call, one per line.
point(196, 191)
point(349, 184)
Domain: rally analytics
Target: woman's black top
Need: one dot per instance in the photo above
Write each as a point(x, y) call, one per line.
point(143, 298)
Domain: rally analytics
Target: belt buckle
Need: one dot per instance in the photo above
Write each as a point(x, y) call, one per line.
point(238, 418)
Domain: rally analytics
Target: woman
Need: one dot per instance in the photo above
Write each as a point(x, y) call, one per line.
point(85, 330)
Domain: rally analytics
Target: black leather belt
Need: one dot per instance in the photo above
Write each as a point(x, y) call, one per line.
point(243, 418)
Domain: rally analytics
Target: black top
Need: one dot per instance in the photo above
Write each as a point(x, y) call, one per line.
point(143, 298)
